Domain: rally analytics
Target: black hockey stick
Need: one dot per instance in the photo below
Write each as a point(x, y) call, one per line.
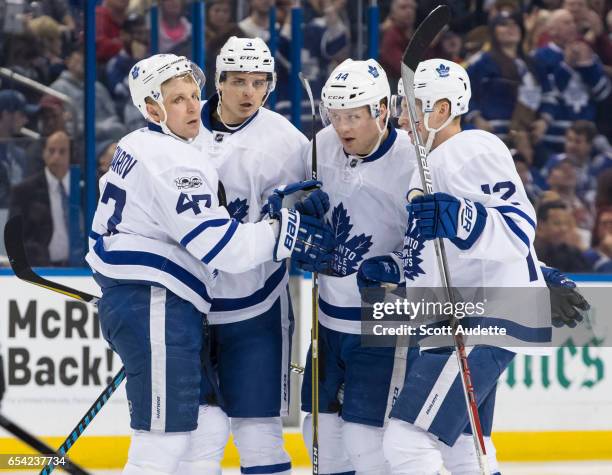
point(15, 250)
point(39, 445)
point(314, 332)
point(433, 24)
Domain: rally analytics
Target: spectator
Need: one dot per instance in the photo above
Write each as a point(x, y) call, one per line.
point(449, 47)
point(174, 28)
point(572, 81)
point(536, 23)
point(503, 88)
point(20, 54)
point(59, 10)
point(109, 20)
point(219, 28)
point(326, 42)
point(42, 200)
point(257, 24)
point(556, 239)
point(135, 40)
point(523, 169)
point(52, 117)
point(603, 195)
point(104, 154)
point(14, 111)
point(71, 83)
point(48, 34)
point(579, 151)
point(398, 30)
point(600, 253)
point(590, 28)
point(562, 180)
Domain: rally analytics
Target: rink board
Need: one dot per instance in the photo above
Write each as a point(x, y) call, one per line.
point(548, 408)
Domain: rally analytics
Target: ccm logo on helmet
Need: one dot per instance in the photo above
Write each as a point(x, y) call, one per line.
point(249, 57)
point(335, 97)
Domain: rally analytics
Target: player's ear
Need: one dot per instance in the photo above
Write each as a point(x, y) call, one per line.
point(154, 111)
point(443, 107)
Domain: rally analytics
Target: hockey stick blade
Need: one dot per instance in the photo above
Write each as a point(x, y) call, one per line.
point(427, 31)
point(15, 249)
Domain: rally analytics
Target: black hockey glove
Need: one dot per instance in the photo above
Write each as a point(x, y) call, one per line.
point(567, 305)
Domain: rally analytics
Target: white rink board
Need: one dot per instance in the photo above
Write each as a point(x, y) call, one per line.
point(572, 394)
point(67, 370)
point(570, 390)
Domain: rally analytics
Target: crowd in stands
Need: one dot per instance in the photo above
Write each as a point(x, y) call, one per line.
point(540, 71)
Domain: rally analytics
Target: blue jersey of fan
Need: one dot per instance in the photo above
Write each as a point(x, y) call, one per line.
point(251, 161)
point(367, 213)
point(497, 252)
point(158, 220)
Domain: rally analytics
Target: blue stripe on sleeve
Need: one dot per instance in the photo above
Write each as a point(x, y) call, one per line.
point(523, 237)
point(222, 243)
point(520, 212)
point(200, 228)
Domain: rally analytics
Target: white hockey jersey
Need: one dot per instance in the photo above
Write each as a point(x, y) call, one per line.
point(262, 154)
point(158, 220)
point(367, 213)
point(476, 165)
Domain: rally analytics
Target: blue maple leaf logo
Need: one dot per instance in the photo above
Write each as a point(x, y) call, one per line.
point(373, 70)
point(411, 254)
point(135, 72)
point(443, 70)
point(349, 252)
point(238, 209)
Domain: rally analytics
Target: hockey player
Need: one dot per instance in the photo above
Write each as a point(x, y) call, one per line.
point(159, 240)
point(482, 212)
point(254, 151)
point(365, 165)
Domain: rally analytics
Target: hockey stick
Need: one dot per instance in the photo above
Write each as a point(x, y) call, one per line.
point(87, 418)
point(422, 38)
point(38, 445)
point(13, 242)
point(314, 332)
point(15, 250)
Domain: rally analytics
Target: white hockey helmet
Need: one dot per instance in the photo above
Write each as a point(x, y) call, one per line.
point(248, 55)
point(355, 84)
point(147, 76)
point(437, 79)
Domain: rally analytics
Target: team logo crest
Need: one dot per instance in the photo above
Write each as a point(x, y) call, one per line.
point(350, 250)
point(238, 209)
point(373, 70)
point(443, 71)
point(185, 182)
point(411, 254)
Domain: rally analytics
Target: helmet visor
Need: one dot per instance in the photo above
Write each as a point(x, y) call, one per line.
point(353, 117)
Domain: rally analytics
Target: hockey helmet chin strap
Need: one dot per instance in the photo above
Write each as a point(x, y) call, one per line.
point(381, 132)
point(431, 135)
point(165, 129)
